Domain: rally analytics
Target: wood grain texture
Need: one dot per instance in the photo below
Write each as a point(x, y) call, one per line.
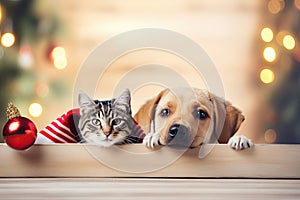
point(262, 161)
point(141, 188)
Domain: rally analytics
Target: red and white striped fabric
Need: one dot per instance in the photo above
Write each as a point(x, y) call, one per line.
point(61, 130)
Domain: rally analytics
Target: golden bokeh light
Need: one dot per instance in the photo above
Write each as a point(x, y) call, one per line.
point(269, 54)
point(8, 39)
point(275, 6)
point(58, 51)
point(289, 42)
point(266, 34)
point(35, 109)
point(60, 62)
point(267, 76)
point(270, 136)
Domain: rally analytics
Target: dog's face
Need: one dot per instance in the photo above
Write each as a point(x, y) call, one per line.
point(184, 117)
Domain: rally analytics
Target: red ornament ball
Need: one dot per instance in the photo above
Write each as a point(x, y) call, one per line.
point(19, 132)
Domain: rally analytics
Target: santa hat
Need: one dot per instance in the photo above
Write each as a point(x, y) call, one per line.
point(61, 130)
point(64, 130)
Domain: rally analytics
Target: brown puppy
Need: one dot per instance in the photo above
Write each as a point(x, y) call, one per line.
point(189, 117)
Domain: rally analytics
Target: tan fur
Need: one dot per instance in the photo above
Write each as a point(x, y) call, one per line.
point(182, 102)
point(145, 113)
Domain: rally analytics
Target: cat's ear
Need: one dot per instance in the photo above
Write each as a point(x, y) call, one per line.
point(124, 98)
point(84, 100)
point(86, 104)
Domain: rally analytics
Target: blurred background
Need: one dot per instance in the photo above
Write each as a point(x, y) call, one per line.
point(253, 43)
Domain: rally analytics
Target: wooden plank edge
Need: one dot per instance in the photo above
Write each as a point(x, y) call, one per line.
point(78, 160)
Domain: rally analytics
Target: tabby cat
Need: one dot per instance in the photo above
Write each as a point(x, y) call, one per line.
point(110, 122)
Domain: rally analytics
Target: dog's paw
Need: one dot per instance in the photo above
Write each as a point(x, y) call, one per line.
point(239, 142)
point(151, 140)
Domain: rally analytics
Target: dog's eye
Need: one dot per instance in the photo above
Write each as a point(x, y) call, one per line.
point(165, 112)
point(201, 114)
point(96, 122)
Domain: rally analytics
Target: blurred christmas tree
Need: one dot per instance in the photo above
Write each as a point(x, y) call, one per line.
point(281, 72)
point(29, 29)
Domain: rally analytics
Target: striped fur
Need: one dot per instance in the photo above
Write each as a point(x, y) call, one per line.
point(106, 123)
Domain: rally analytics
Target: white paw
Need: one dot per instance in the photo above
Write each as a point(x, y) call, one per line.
point(151, 140)
point(239, 142)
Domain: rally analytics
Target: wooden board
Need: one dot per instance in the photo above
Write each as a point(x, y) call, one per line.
point(76, 160)
point(141, 188)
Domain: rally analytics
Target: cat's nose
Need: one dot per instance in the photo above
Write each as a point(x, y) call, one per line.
point(107, 133)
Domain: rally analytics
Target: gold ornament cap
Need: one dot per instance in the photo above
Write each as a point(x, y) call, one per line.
point(12, 111)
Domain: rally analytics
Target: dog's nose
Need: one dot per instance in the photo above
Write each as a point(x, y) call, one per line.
point(177, 129)
point(179, 136)
point(173, 130)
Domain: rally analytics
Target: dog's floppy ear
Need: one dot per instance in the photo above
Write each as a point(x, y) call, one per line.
point(146, 113)
point(233, 121)
point(233, 118)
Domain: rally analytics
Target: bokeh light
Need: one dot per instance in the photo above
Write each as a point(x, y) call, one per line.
point(58, 51)
point(60, 62)
point(289, 42)
point(270, 136)
point(25, 58)
point(269, 54)
point(58, 55)
point(275, 6)
point(267, 76)
point(266, 34)
point(35, 109)
point(8, 39)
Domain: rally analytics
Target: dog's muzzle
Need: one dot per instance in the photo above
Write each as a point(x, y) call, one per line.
point(179, 136)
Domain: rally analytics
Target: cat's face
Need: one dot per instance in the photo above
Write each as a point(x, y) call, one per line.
point(105, 123)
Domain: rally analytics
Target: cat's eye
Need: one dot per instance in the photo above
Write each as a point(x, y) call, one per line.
point(201, 114)
point(96, 122)
point(116, 121)
point(165, 112)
